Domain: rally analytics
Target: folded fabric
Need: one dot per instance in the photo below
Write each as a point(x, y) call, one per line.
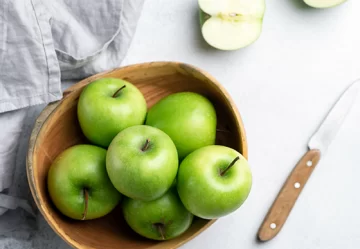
point(29, 70)
point(39, 39)
point(43, 43)
point(19, 218)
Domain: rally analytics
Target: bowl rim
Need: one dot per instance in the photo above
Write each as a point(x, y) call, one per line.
point(49, 110)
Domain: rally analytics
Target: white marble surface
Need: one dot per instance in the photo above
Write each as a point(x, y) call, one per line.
point(284, 85)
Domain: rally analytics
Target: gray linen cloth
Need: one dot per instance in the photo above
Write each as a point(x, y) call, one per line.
point(45, 45)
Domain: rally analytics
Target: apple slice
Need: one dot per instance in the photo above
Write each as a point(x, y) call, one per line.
point(323, 3)
point(231, 24)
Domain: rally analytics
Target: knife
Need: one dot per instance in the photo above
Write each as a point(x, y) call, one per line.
point(317, 146)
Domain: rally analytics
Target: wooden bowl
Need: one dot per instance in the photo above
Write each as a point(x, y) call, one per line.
point(57, 128)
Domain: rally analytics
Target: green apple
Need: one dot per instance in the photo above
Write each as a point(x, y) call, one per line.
point(78, 183)
point(161, 219)
point(231, 24)
point(214, 181)
point(108, 106)
point(188, 118)
point(142, 162)
point(323, 3)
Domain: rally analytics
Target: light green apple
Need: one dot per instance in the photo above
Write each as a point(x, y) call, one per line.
point(142, 162)
point(214, 181)
point(162, 219)
point(108, 106)
point(231, 24)
point(188, 118)
point(78, 183)
point(324, 3)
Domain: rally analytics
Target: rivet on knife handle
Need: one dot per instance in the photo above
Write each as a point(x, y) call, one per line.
point(288, 195)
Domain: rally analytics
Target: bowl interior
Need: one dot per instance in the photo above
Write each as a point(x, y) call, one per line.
point(57, 129)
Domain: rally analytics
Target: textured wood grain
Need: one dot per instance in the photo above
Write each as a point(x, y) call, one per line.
point(283, 204)
point(57, 128)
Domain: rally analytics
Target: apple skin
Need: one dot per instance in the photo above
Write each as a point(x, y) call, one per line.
point(203, 191)
point(101, 116)
point(188, 118)
point(76, 168)
point(167, 211)
point(138, 174)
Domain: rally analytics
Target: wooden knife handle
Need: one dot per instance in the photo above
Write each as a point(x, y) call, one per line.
point(288, 195)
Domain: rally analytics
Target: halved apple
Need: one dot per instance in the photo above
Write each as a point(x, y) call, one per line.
point(323, 3)
point(231, 24)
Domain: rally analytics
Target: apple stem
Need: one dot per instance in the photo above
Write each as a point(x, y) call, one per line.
point(86, 197)
point(146, 145)
point(230, 165)
point(160, 228)
point(118, 91)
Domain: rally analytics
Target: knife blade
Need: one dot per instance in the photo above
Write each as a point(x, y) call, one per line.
point(327, 131)
point(317, 147)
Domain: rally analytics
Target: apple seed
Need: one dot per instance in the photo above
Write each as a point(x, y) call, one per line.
point(233, 17)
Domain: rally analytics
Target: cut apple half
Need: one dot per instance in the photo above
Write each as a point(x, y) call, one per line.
point(323, 3)
point(231, 24)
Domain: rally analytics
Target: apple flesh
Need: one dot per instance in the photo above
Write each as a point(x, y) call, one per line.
point(162, 219)
point(108, 106)
point(142, 162)
point(214, 181)
point(231, 24)
point(78, 183)
point(188, 118)
point(324, 3)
